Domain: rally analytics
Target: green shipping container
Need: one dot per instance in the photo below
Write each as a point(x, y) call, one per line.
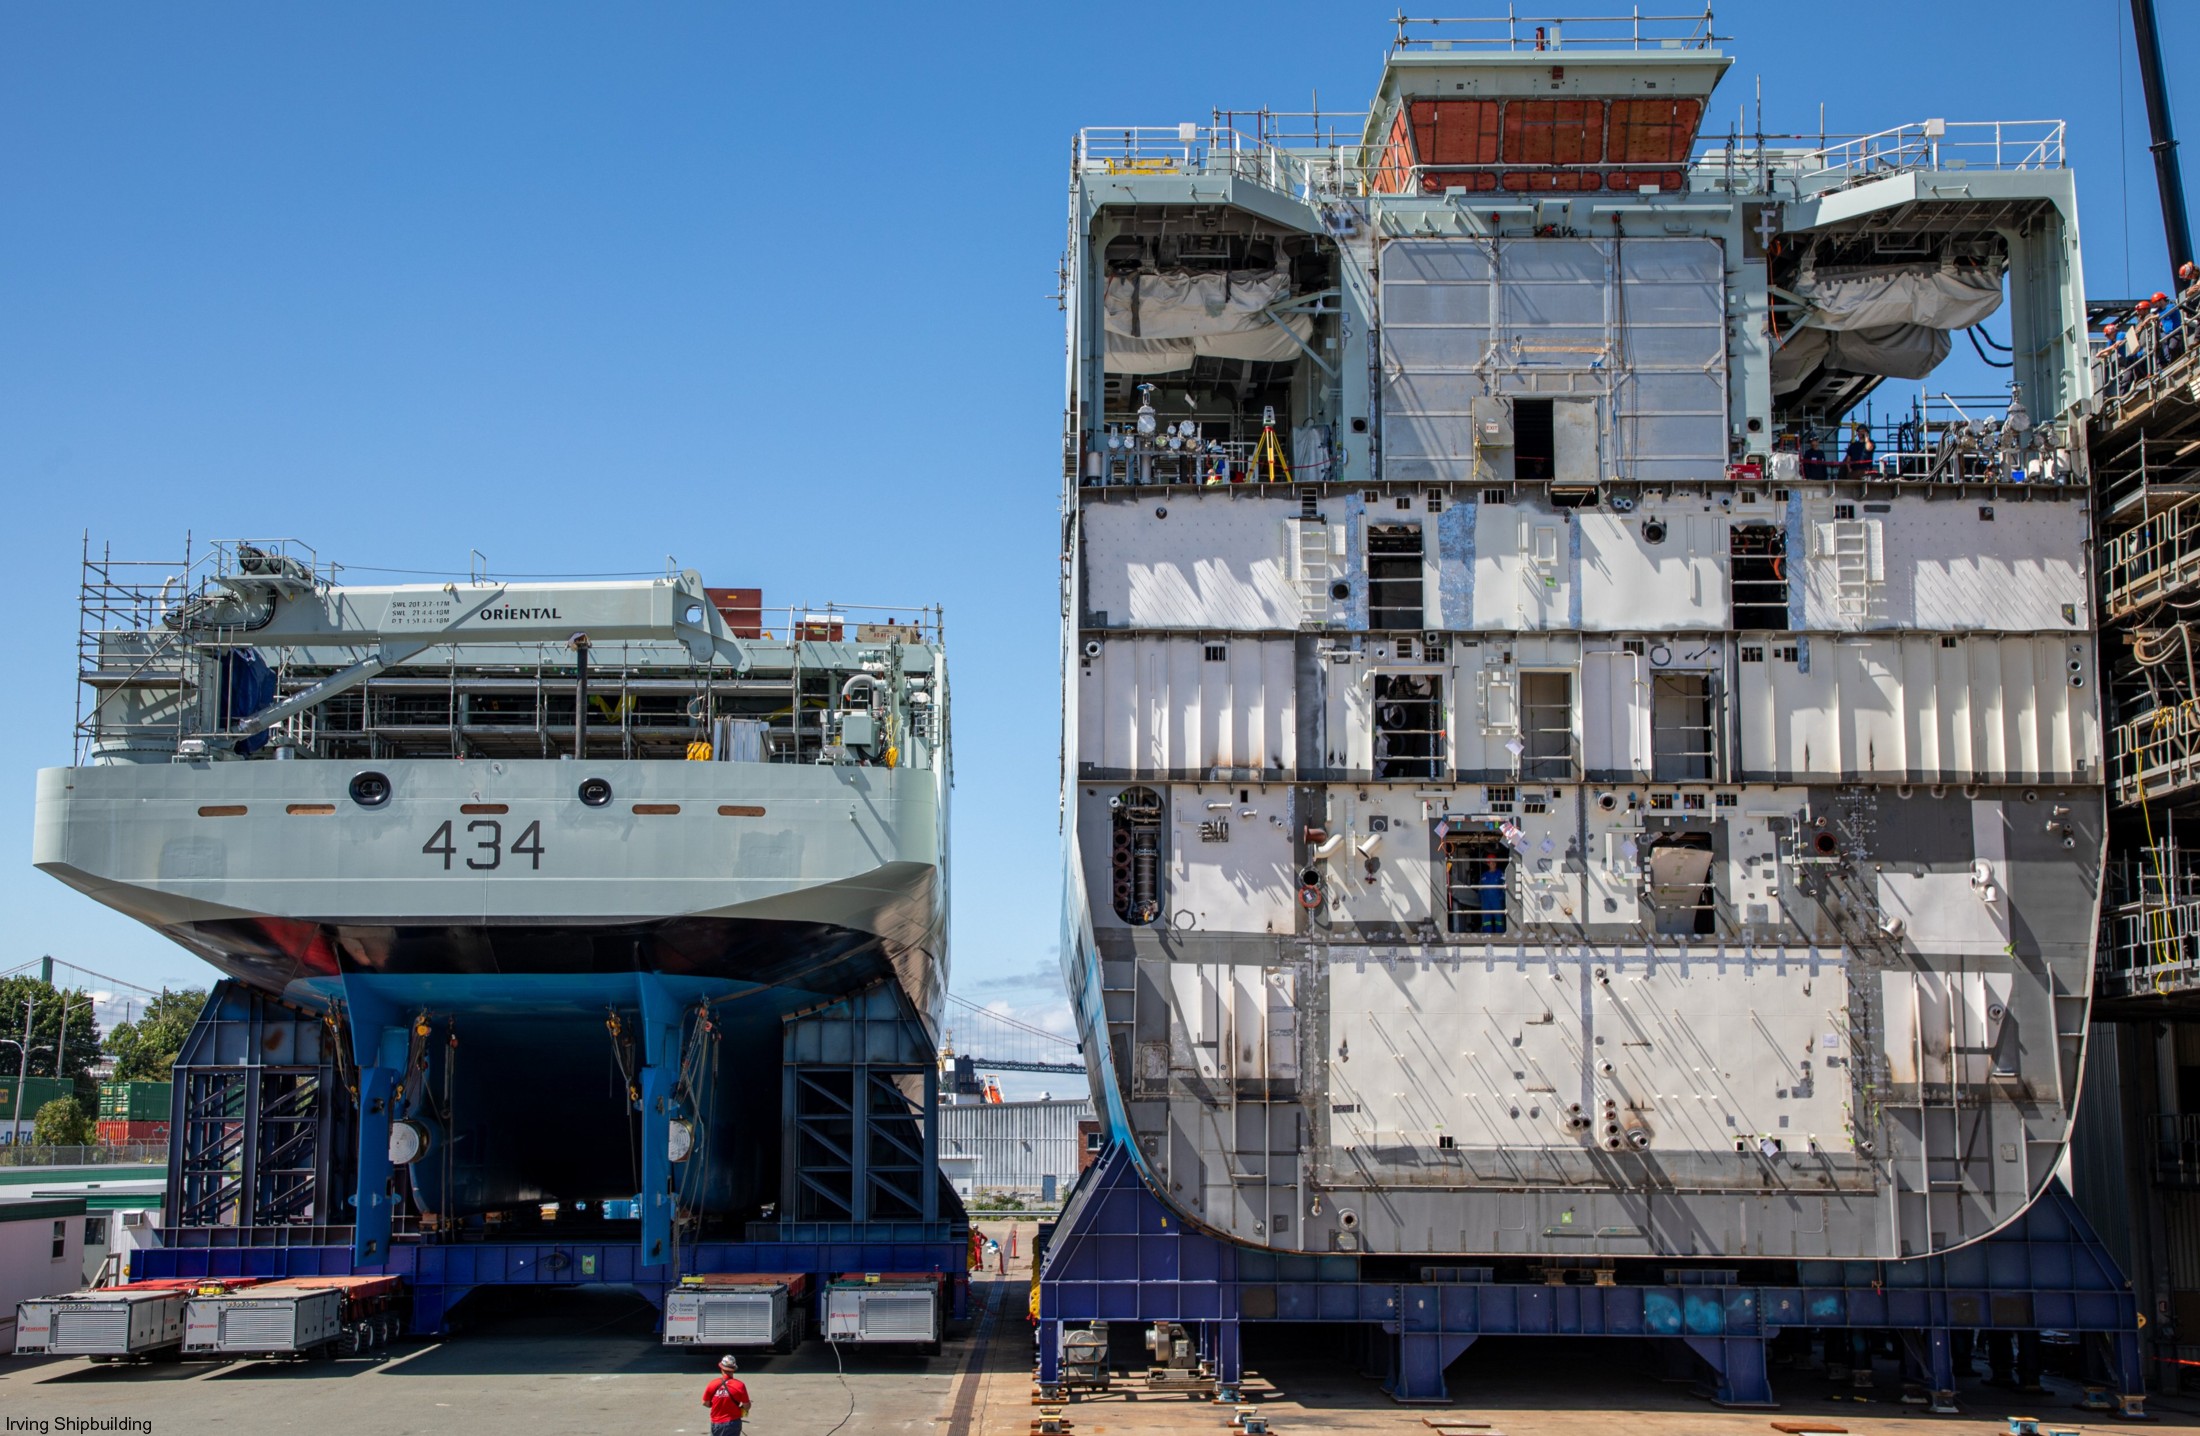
point(134, 1102)
point(37, 1092)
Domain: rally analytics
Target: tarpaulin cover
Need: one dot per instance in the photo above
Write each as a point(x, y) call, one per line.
point(1158, 323)
point(248, 685)
point(1896, 351)
point(1941, 298)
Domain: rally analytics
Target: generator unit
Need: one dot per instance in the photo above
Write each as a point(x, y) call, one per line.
point(884, 1309)
point(303, 1316)
point(273, 1320)
point(738, 1310)
point(114, 1324)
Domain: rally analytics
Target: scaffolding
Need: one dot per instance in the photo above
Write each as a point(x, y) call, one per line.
point(166, 654)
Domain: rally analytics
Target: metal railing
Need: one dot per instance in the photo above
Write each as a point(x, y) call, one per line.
point(1324, 162)
point(2153, 559)
point(2155, 754)
point(2150, 355)
point(1934, 145)
point(1536, 33)
point(2150, 949)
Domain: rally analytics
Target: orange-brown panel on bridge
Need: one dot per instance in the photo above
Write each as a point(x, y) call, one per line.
point(1624, 181)
point(1652, 132)
point(1393, 174)
point(1436, 181)
point(1550, 181)
point(1455, 132)
point(1554, 132)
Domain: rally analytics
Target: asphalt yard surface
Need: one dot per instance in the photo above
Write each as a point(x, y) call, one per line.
point(588, 1361)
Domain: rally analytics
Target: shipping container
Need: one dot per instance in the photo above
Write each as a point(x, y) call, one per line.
point(134, 1101)
point(36, 1093)
point(118, 1134)
point(741, 608)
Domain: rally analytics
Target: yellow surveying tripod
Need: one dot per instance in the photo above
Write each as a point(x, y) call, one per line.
point(1268, 451)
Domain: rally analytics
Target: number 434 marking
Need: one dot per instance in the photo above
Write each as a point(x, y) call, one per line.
point(487, 838)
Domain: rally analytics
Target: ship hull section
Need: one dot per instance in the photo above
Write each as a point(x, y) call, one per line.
point(488, 900)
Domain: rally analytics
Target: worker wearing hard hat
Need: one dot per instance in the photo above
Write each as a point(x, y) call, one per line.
point(727, 1398)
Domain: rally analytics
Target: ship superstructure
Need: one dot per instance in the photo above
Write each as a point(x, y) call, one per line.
point(557, 860)
point(1571, 749)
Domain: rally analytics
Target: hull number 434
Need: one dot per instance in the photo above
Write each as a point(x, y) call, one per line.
point(480, 845)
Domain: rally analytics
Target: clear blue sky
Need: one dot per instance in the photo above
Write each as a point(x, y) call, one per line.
point(767, 288)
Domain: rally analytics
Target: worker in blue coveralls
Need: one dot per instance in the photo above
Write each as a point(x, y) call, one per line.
point(1490, 888)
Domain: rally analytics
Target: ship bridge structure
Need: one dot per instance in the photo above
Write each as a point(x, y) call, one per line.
point(1582, 755)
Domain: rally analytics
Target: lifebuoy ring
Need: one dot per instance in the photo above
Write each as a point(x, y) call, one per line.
point(1310, 898)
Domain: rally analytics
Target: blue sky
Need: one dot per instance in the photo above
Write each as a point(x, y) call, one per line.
point(765, 288)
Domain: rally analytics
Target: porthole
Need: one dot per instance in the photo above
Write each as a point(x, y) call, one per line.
point(595, 792)
point(370, 790)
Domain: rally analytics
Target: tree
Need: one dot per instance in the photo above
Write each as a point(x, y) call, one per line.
point(145, 1050)
point(47, 1031)
point(63, 1123)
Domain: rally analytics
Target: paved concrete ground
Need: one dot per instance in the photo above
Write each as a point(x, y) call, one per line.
point(562, 1363)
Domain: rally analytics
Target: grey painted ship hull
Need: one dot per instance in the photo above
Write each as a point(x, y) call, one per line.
point(747, 890)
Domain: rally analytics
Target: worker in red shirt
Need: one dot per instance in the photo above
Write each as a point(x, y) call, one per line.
point(727, 1398)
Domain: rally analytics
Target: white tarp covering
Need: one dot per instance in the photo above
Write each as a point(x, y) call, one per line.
point(1898, 351)
point(1159, 323)
point(1942, 298)
point(1893, 323)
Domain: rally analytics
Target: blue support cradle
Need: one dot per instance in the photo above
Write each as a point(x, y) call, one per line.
point(1120, 1253)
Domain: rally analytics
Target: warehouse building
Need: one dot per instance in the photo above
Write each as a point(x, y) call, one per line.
point(1023, 1147)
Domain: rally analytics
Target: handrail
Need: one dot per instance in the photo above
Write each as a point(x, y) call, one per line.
point(2146, 358)
point(1549, 32)
point(1328, 165)
point(1938, 145)
point(2155, 754)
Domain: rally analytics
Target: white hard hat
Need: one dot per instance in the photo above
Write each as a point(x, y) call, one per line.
point(727, 1363)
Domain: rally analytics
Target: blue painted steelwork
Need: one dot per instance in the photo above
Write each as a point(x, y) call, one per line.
point(1120, 1254)
point(439, 1276)
point(858, 1178)
point(260, 1132)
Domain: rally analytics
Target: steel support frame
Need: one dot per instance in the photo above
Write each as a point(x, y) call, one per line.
point(256, 1131)
point(855, 1150)
point(1121, 1254)
point(901, 1219)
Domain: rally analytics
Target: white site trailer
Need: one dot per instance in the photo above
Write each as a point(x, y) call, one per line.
point(116, 1324)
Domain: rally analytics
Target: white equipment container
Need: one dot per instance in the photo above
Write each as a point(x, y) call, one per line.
point(757, 1314)
point(883, 1312)
point(264, 1321)
point(101, 1324)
